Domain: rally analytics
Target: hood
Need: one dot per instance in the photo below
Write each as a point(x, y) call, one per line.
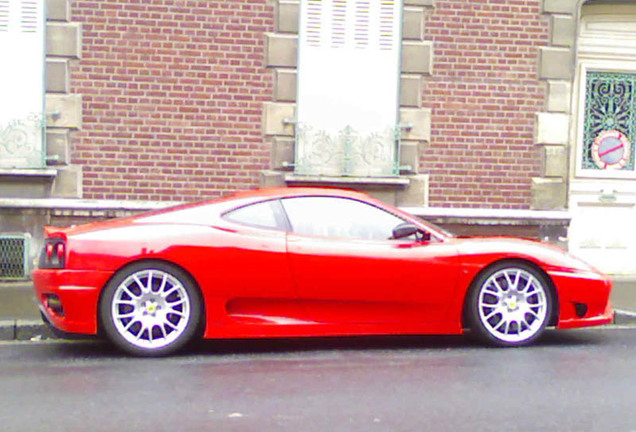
point(550, 257)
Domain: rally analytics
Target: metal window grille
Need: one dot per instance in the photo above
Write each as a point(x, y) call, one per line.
point(610, 105)
point(14, 256)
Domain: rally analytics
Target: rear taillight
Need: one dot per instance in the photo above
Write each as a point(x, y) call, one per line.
point(54, 253)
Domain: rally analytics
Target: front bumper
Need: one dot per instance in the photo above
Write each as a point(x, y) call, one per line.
point(584, 299)
point(78, 292)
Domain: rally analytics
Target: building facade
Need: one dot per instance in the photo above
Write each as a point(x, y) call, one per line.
point(492, 117)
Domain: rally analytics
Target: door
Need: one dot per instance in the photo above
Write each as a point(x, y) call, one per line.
point(603, 187)
point(348, 270)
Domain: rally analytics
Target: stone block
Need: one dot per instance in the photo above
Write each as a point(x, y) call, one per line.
point(413, 24)
point(272, 179)
point(556, 63)
point(416, 193)
point(548, 193)
point(281, 50)
point(424, 3)
point(68, 182)
point(282, 153)
point(58, 10)
point(411, 91)
point(559, 96)
point(554, 161)
point(64, 110)
point(58, 148)
point(552, 128)
point(57, 75)
point(417, 57)
point(287, 15)
point(285, 85)
point(409, 156)
point(278, 118)
point(563, 30)
point(63, 39)
point(419, 120)
point(386, 196)
point(26, 186)
point(560, 6)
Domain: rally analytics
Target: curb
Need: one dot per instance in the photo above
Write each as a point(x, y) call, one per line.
point(622, 317)
point(24, 330)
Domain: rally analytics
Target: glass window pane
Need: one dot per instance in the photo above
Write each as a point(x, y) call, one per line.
point(339, 217)
point(260, 215)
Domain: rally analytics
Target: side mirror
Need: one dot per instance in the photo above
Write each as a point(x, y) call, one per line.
point(407, 229)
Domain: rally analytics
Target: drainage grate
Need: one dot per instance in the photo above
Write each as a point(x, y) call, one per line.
point(14, 253)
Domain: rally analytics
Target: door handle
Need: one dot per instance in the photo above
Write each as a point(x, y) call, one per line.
point(608, 197)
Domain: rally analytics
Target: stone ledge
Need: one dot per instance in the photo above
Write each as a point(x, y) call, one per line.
point(25, 172)
point(379, 181)
point(492, 216)
point(71, 204)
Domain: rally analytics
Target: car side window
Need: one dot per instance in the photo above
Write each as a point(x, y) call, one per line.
point(262, 215)
point(339, 217)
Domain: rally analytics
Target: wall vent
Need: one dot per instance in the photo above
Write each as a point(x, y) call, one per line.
point(14, 256)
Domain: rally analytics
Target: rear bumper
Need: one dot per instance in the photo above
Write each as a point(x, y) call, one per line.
point(589, 292)
point(78, 292)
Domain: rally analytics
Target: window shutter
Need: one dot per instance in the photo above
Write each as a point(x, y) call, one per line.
point(348, 87)
point(21, 83)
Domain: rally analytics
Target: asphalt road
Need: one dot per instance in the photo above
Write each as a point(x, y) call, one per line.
point(581, 380)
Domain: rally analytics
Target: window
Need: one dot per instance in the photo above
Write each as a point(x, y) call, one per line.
point(348, 87)
point(339, 217)
point(610, 121)
point(21, 83)
point(263, 215)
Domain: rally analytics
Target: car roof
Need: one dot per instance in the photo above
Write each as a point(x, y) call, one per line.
point(282, 192)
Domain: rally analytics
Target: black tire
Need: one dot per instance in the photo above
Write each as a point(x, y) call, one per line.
point(509, 304)
point(150, 309)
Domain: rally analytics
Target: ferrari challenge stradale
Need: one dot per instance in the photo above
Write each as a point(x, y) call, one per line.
point(295, 262)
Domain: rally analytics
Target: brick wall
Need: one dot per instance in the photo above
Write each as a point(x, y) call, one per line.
point(173, 92)
point(484, 94)
point(172, 97)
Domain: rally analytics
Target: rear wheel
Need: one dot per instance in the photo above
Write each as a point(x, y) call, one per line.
point(150, 309)
point(509, 305)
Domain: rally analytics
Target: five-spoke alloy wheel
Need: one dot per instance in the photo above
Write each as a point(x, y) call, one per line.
point(150, 308)
point(510, 304)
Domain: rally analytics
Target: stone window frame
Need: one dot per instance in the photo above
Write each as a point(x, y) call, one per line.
point(411, 187)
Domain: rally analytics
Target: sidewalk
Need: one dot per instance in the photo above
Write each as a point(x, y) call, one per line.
point(624, 300)
point(20, 318)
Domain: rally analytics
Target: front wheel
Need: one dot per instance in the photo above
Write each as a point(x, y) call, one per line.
point(150, 309)
point(509, 305)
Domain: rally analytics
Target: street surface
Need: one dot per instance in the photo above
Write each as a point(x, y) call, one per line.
point(580, 380)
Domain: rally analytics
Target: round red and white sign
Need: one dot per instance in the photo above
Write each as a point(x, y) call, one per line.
point(610, 150)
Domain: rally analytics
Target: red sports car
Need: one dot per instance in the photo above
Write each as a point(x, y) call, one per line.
point(295, 262)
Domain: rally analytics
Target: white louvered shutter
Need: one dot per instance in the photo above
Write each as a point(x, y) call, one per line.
point(21, 83)
point(348, 87)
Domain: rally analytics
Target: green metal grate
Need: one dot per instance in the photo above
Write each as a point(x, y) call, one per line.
point(610, 105)
point(14, 253)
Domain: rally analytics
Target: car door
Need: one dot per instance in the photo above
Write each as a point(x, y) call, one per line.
point(348, 270)
point(257, 274)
